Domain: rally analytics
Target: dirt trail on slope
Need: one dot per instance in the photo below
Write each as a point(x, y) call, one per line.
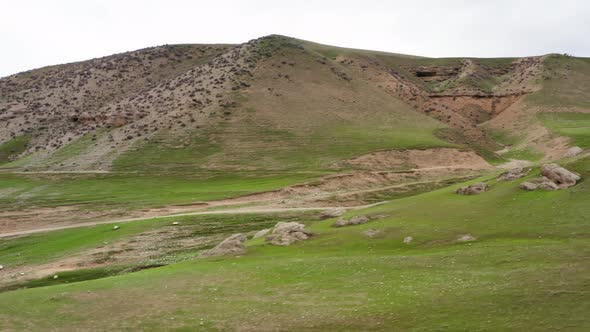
point(228, 211)
point(373, 172)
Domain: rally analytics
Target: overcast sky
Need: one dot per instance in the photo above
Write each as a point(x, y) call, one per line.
point(40, 33)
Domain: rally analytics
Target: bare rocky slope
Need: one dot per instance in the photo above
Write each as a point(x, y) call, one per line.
point(220, 107)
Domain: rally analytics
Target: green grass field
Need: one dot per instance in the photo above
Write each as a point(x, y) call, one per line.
point(574, 125)
point(134, 190)
point(527, 270)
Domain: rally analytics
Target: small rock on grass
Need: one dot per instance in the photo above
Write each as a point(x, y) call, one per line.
point(466, 238)
point(356, 220)
point(371, 233)
point(233, 245)
point(512, 174)
point(286, 233)
point(474, 189)
point(55, 276)
point(408, 239)
point(331, 213)
point(1, 267)
point(116, 227)
point(176, 223)
point(573, 151)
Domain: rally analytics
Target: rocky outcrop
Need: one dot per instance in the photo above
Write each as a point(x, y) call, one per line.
point(233, 245)
point(286, 233)
point(474, 189)
point(356, 220)
point(559, 175)
point(554, 177)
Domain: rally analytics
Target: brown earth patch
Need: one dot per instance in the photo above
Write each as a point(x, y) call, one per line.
point(421, 159)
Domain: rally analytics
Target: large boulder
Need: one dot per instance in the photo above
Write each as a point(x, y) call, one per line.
point(233, 245)
point(332, 213)
point(356, 220)
point(513, 174)
point(559, 175)
point(474, 189)
point(286, 233)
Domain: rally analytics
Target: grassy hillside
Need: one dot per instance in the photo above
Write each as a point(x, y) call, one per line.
point(132, 191)
point(526, 269)
point(574, 125)
point(565, 83)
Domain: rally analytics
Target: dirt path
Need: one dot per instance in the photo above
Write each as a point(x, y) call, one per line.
point(228, 211)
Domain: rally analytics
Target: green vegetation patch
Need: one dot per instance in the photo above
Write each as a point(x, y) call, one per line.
point(11, 149)
point(134, 190)
point(574, 125)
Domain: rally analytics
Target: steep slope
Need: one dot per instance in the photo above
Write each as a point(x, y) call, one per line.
point(54, 106)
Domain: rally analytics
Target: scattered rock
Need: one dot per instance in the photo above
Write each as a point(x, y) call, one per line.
point(233, 245)
point(1, 267)
point(573, 151)
point(286, 233)
point(332, 213)
point(116, 227)
point(356, 220)
point(261, 233)
point(559, 175)
point(474, 189)
point(528, 186)
point(466, 238)
point(408, 239)
point(513, 174)
point(371, 233)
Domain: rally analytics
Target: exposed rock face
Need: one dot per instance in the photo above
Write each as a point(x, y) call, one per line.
point(286, 233)
point(356, 220)
point(261, 233)
point(559, 175)
point(233, 245)
point(332, 213)
point(574, 151)
point(513, 174)
point(474, 189)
